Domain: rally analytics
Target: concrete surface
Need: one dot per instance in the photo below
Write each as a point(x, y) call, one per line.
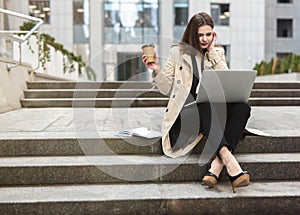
point(141, 199)
point(104, 122)
point(291, 77)
point(46, 184)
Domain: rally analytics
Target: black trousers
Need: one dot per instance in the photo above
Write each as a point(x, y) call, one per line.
point(222, 124)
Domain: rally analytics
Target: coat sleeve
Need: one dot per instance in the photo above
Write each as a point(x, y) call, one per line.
point(164, 80)
point(216, 58)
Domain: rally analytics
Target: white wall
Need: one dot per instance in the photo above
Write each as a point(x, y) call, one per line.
point(54, 68)
point(247, 29)
point(12, 84)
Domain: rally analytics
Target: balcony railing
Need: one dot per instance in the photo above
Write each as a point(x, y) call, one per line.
point(14, 35)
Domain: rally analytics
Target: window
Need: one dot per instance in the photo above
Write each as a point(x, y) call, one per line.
point(283, 54)
point(81, 28)
point(285, 1)
point(130, 67)
point(220, 14)
point(181, 12)
point(130, 21)
point(81, 21)
point(284, 28)
point(40, 9)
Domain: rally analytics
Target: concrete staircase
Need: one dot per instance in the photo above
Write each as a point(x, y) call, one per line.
point(42, 174)
point(55, 176)
point(137, 94)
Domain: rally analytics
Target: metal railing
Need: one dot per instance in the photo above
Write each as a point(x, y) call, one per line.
point(13, 34)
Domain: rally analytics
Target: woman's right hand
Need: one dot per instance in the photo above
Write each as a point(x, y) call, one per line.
point(213, 42)
point(154, 65)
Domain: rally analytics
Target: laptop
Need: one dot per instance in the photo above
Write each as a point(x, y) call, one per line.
point(225, 86)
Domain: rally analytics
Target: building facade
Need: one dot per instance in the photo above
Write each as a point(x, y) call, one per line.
point(109, 33)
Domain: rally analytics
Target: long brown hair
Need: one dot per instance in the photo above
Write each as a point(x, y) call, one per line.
point(190, 40)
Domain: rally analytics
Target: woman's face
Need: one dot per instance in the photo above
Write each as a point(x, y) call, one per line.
point(205, 34)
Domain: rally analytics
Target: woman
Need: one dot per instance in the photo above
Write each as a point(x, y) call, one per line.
point(184, 125)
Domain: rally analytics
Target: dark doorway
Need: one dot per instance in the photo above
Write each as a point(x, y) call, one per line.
point(130, 66)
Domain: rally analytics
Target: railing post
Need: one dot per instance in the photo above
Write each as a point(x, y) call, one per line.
point(20, 59)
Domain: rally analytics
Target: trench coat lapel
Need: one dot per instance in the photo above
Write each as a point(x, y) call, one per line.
point(187, 58)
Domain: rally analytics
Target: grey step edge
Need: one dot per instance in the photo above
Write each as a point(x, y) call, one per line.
point(102, 93)
point(138, 84)
point(134, 93)
point(130, 145)
point(160, 199)
point(139, 102)
point(144, 168)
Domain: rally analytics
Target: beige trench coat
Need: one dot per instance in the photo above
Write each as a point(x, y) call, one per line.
point(176, 82)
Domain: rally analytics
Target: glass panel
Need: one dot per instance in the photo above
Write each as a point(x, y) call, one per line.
point(40, 9)
point(285, 1)
point(284, 28)
point(81, 23)
point(181, 8)
point(283, 54)
point(130, 21)
point(6, 48)
point(81, 28)
point(178, 32)
point(130, 67)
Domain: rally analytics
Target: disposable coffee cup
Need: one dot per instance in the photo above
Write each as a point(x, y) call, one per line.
point(149, 52)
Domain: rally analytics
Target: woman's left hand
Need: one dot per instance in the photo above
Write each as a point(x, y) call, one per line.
point(213, 42)
point(153, 65)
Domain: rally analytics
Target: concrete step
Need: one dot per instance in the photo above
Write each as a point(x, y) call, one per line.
point(137, 85)
point(137, 102)
point(275, 93)
point(137, 93)
point(89, 85)
point(130, 145)
point(99, 103)
point(90, 93)
point(143, 168)
point(277, 85)
point(153, 198)
point(275, 101)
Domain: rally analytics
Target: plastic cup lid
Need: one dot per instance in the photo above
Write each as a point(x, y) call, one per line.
point(147, 45)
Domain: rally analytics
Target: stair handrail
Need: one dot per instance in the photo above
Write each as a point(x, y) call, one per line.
point(7, 33)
